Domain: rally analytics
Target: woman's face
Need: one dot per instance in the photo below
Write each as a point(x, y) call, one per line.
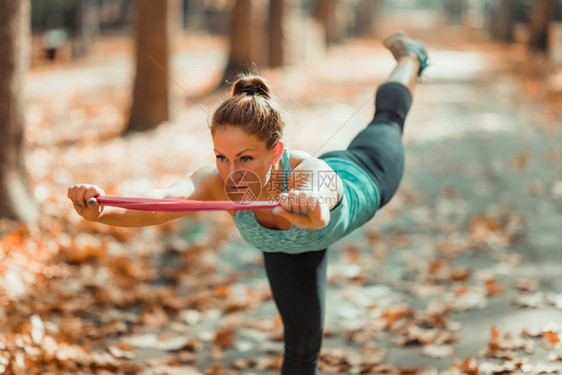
point(244, 162)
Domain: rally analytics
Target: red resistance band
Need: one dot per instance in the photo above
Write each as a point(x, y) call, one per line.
point(180, 205)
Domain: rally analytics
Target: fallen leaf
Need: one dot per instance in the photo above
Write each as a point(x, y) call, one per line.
point(438, 351)
point(467, 367)
point(550, 336)
point(492, 288)
point(121, 350)
point(224, 338)
point(526, 285)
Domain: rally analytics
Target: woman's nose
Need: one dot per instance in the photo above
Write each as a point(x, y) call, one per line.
point(235, 172)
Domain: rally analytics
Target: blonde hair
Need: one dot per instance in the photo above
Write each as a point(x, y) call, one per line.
point(252, 108)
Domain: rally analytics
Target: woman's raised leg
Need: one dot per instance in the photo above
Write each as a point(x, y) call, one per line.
point(411, 59)
point(378, 148)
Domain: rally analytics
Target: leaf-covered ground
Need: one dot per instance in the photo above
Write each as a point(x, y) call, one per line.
point(459, 274)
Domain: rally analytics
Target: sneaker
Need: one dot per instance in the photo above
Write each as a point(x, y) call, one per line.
point(402, 45)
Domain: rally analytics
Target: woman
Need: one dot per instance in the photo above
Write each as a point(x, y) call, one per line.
point(321, 199)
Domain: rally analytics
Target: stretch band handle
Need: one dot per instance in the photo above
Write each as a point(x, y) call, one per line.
point(180, 205)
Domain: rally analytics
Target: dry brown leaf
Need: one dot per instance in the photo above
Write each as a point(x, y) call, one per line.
point(438, 351)
point(460, 274)
point(234, 307)
point(505, 346)
point(556, 357)
point(245, 364)
point(224, 338)
point(530, 300)
point(394, 313)
point(121, 350)
point(221, 291)
point(492, 288)
point(216, 369)
point(521, 161)
point(550, 336)
point(467, 367)
point(525, 285)
point(183, 358)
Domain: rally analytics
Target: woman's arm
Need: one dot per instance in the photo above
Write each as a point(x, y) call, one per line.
point(314, 189)
point(197, 186)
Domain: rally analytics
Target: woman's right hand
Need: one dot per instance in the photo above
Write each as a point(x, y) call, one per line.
point(83, 198)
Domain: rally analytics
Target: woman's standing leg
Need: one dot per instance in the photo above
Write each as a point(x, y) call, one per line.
point(298, 285)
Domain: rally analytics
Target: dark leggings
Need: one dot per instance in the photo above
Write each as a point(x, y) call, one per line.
point(298, 281)
point(378, 148)
point(298, 285)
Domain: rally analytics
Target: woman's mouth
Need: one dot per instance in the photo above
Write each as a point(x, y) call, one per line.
point(238, 188)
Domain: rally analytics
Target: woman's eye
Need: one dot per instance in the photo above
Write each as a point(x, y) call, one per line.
point(221, 158)
point(246, 159)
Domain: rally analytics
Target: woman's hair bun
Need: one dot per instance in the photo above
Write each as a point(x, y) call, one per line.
point(251, 108)
point(251, 85)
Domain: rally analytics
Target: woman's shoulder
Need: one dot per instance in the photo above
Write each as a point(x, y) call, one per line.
point(208, 177)
point(204, 176)
point(207, 183)
point(202, 184)
point(298, 156)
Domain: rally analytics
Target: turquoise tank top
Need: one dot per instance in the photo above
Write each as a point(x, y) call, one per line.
point(359, 203)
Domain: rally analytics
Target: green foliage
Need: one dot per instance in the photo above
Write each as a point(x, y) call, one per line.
point(49, 14)
point(558, 11)
point(522, 10)
point(429, 4)
point(46, 6)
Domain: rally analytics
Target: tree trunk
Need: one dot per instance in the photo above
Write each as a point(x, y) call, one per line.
point(16, 200)
point(325, 14)
point(248, 45)
point(541, 17)
point(86, 27)
point(368, 13)
point(455, 10)
point(277, 14)
point(502, 22)
point(151, 102)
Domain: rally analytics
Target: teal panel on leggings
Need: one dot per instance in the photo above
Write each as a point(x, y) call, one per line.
point(359, 204)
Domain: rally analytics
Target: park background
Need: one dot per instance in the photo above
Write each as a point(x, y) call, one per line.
point(459, 274)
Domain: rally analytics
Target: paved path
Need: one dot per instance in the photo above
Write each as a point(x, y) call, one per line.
point(481, 202)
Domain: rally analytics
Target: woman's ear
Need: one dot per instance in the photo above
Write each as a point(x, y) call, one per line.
point(278, 152)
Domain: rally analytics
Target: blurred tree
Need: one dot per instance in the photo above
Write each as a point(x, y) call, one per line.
point(16, 199)
point(50, 14)
point(248, 44)
point(368, 12)
point(455, 10)
point(542, 14)
point(151, 102)
point(521, 11)
point(502, 21)
point(278, 10)
point(216, 19)
point(124, 12)
point(77, 20)
point(84, 23)
point(325, 12)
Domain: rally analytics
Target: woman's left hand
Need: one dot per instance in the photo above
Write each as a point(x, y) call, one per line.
point(304, 209)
